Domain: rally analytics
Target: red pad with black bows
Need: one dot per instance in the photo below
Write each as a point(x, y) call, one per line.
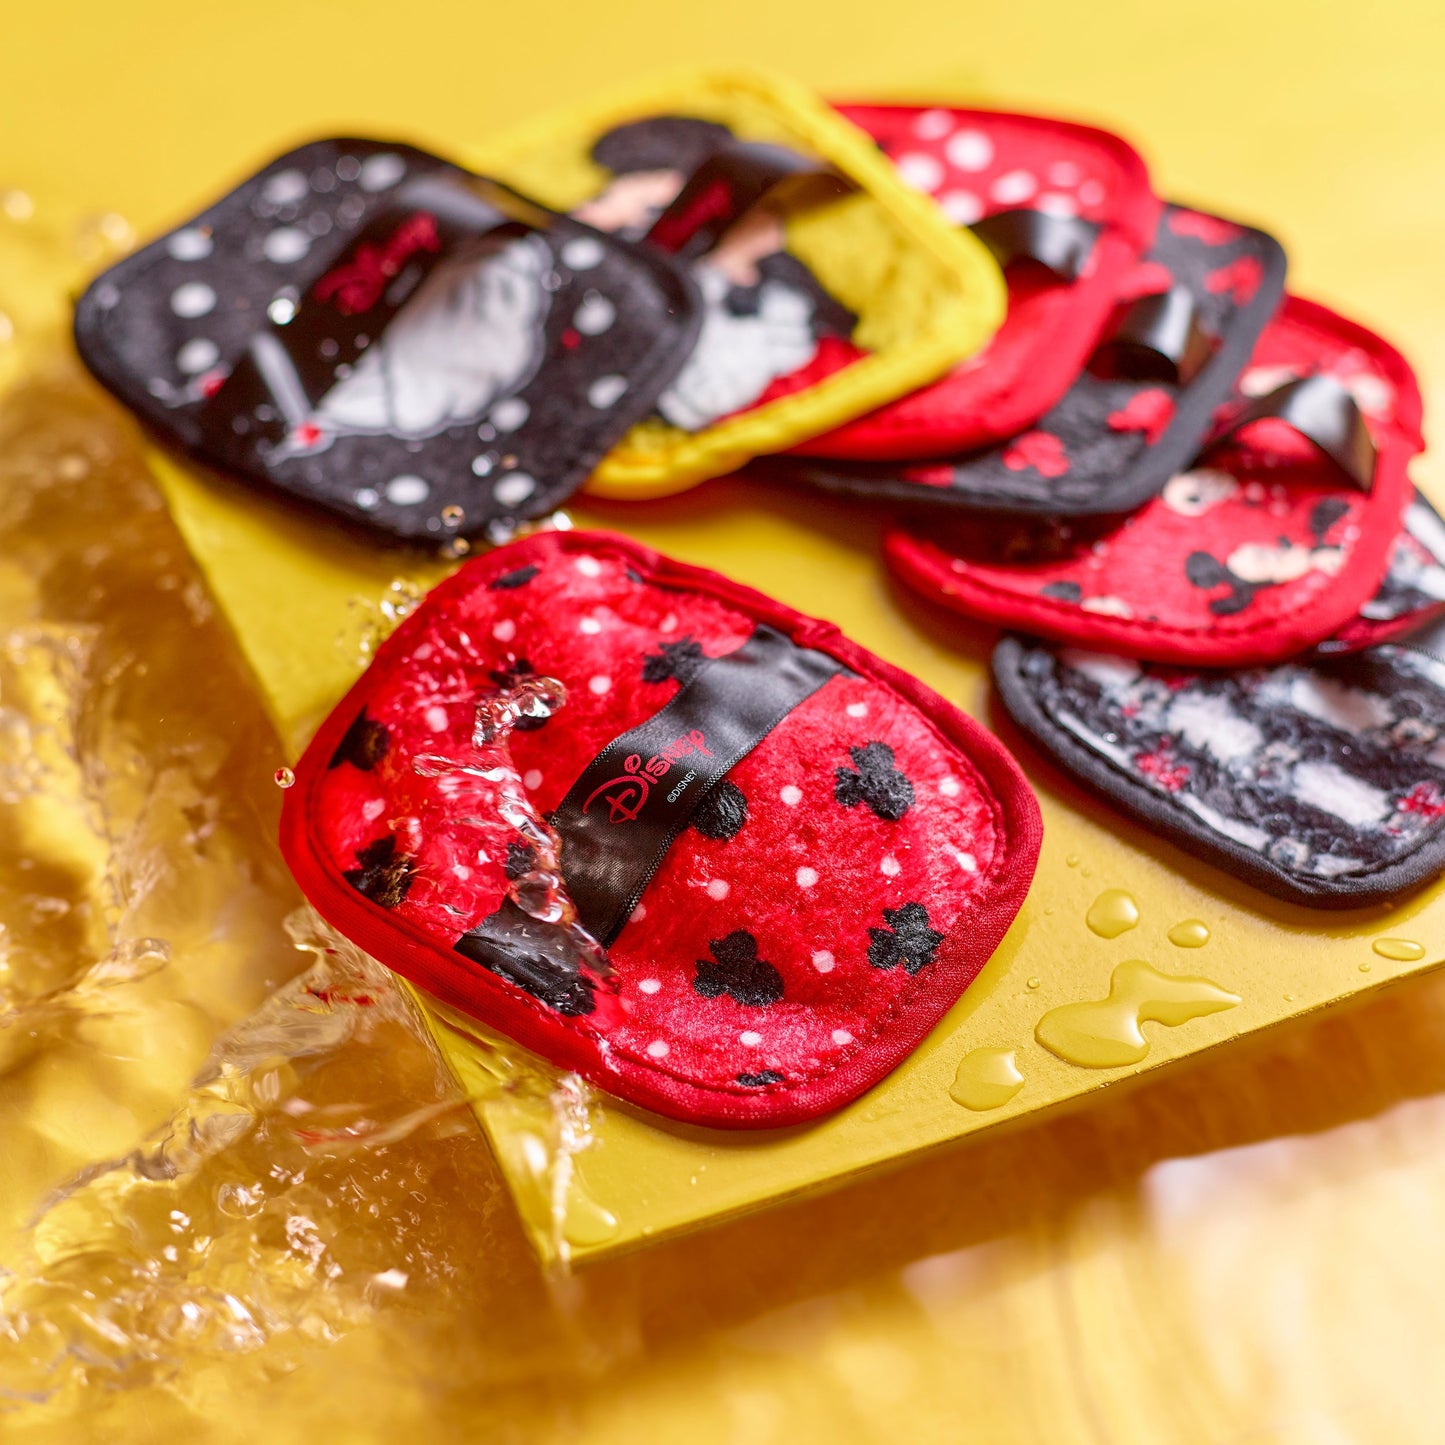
point(1265, 548)
point(796, 856)
point(1183, 325)
point(1067, 209)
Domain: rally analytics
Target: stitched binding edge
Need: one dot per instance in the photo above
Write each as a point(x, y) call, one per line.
point(959, 326)
point(1014, 812)
point(1146, 807)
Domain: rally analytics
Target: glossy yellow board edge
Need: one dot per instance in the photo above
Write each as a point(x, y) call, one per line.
point(965, 297)
point(290, 584)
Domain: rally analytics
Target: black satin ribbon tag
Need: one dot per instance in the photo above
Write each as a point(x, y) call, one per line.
point(1157, 338)
point(621, 816)
point(541, 958)
point(310, 342)
point(1322, 412)
point(1060, 244)
point(731, 181)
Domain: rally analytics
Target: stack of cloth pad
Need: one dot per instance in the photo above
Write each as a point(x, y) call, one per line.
point(1088, 416)
point(1230, 591)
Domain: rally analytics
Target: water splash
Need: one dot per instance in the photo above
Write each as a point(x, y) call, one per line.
point(372, 621)
point(181, 1187)
point(540, 891)
point(228, 1227)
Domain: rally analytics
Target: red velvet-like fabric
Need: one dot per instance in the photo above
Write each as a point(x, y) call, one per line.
point(1259, 552)
point(819, 879)
point(978, 163)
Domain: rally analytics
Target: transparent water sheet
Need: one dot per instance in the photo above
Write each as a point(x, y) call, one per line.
point(228, 1135)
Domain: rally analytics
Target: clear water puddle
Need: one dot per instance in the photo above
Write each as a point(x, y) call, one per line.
point(1108, 1033)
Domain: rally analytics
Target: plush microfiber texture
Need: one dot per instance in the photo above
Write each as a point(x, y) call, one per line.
point(359, 326)
point(815, 314)
point(979, 163)
point(825, 903)
point(1116, 436)
point(1262, 550)
point(1321, 782)
point(1412, 591)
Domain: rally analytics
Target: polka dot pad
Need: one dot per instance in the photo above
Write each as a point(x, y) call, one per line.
point(582, 332)
point(1260, 550)
point(977, 163)
point(792, 946)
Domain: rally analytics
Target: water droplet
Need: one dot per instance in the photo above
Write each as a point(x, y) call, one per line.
point(285, 778)
point(1366, 967)
point(1072, 860)
point(1192, 933)
point(1401, 950)
point(16, 205)
point(455, 547)
point(986, 1079)
point(1113, 912)
point(453, 516)
point(1106, 1033)
point(1033, 983)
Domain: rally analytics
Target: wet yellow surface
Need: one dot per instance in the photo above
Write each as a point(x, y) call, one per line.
point(1240, 1247)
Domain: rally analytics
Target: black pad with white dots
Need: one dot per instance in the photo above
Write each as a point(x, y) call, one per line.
point(371, 329)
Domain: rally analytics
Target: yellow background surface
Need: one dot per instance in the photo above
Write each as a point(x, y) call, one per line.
point(1244, 1249)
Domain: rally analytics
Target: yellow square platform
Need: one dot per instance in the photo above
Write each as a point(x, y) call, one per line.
point(295, 592)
